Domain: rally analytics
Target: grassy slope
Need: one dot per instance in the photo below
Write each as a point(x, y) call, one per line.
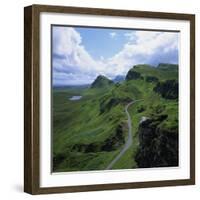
point(161, 73)
point(151, 100)
point(79, 122)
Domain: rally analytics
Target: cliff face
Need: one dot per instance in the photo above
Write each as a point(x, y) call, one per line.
point(133, 75)
point(158, 146)
point(167, 89)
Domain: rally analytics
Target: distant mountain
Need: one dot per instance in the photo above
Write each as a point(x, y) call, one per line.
point(119, 78)
point(101, 81)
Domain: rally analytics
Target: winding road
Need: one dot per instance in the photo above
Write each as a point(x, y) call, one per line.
point(130, 137)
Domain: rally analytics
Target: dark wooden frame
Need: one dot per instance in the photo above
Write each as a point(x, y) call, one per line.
point(32, 107)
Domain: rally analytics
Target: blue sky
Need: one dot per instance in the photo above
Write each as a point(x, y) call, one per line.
point(80, 54)
point(102, 42)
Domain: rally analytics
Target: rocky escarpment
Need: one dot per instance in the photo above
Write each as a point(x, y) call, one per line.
point(158, 145)
point(167, 89)
point(133, 75)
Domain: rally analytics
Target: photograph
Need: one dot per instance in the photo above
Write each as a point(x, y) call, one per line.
point(114, 98)
point(109, 99)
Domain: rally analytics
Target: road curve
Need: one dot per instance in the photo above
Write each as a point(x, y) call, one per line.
point(129, 140)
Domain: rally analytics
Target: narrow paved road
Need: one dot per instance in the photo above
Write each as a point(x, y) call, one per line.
point(130, 137)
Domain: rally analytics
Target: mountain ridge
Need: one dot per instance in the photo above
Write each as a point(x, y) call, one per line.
point(101, 81)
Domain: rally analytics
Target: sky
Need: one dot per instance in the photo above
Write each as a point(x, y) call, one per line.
point(80, 54)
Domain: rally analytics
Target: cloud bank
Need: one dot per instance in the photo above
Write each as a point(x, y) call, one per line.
point(73, 65)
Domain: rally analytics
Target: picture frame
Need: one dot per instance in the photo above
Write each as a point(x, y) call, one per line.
point(33, 93)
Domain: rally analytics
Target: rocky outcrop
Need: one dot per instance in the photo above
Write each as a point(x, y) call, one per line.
point(168, 89)
point(115, 141)
point(133, 75)
point(158, 146)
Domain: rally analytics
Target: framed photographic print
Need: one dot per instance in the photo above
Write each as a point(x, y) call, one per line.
point(109, 99)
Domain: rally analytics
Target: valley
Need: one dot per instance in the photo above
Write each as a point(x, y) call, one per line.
point(124, 124)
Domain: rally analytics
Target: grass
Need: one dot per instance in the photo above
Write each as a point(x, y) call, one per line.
point(76, 123)
point(162, 74)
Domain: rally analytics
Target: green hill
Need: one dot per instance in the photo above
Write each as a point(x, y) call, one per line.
point(101, 81)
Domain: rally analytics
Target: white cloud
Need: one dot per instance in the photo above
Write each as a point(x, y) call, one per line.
point(113, 34)
point(69, 55)
point(148, 47)
point(67, 44)
point(72, 64)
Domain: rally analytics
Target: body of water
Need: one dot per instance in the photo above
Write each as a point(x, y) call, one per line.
point(75, 98)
